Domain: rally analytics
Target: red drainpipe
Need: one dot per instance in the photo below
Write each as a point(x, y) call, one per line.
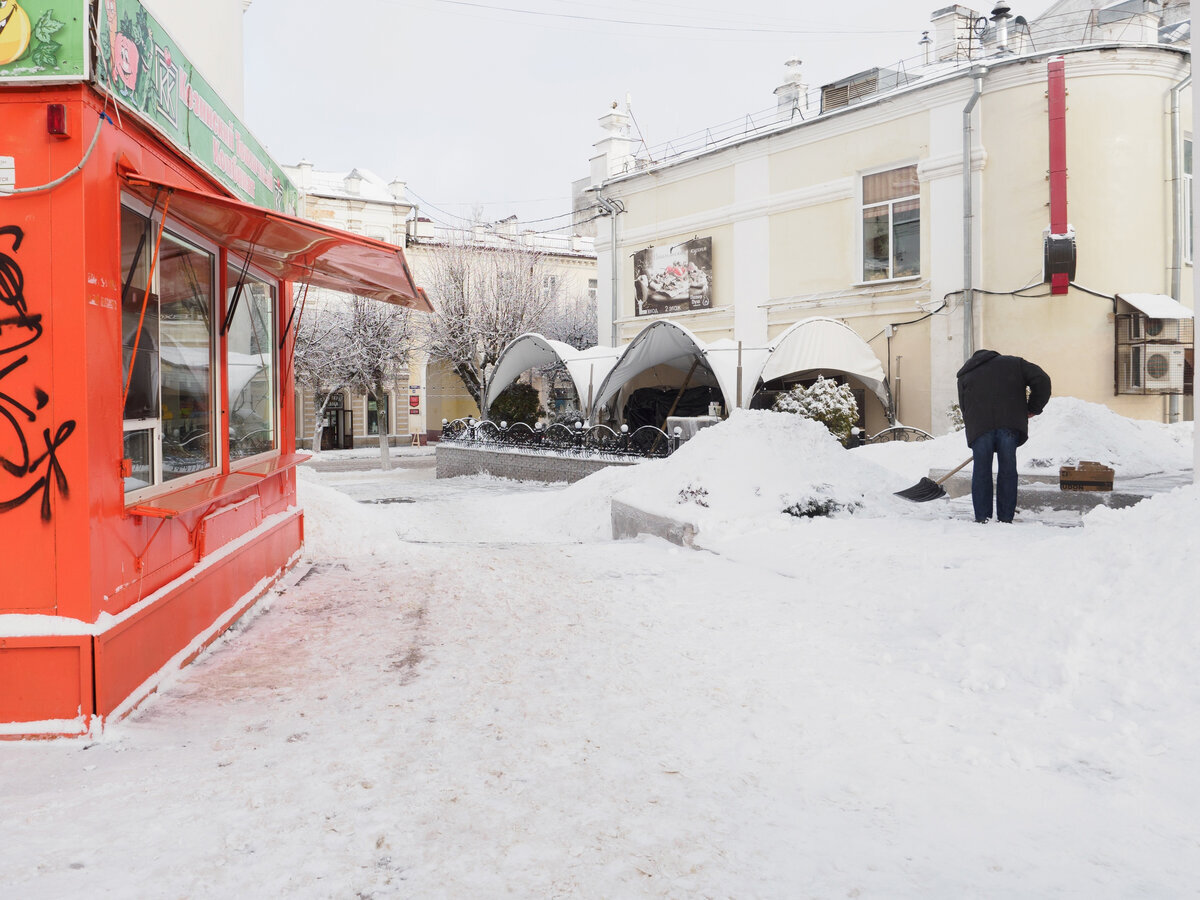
point(1056, 93)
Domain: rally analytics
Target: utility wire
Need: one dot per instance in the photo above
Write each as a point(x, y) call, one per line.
point(681, 26)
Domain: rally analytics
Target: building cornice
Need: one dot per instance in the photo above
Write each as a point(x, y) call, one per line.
point(1094, 59)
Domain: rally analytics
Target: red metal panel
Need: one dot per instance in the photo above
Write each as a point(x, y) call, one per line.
point(1056, 93)
point(45, 678)
point(130, 654)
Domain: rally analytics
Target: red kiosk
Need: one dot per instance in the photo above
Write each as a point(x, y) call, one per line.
point(147, 441)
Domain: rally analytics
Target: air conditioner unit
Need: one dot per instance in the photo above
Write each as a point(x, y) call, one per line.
point(1163, 329)
point(1164, 367)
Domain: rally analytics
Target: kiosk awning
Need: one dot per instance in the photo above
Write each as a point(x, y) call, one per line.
point(1157, 306)
point(290, 248)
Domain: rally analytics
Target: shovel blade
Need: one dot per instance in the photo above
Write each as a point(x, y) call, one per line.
point(923, 491)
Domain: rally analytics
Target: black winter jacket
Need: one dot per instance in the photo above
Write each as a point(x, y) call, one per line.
point(991, 393)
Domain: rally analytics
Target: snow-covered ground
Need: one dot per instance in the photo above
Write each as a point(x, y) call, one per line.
point(474, 692)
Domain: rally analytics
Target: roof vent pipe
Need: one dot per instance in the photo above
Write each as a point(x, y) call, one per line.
point(1001, 13)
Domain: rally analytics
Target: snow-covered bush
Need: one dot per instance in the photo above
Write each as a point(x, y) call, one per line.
point(518, 402)
point(956, 419)
point(568, 416)
point(827, 402)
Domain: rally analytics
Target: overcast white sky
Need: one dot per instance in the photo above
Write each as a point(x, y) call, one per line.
point(495, 102)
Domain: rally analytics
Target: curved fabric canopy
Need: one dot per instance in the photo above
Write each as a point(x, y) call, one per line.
point(523, 353)
point(588, 370)
point(722, 356)
point(827, 345)
point(660, 343)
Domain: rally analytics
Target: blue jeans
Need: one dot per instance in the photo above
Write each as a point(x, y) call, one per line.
point(1001, 443)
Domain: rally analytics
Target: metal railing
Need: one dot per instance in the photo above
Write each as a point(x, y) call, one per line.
point(897, 433)
point(646, 442)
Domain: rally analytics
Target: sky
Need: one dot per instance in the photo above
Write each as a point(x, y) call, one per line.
point(476, 692)
point(492, 105)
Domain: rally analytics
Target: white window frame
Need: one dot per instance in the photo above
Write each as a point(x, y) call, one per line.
point(177, 229)
point(860, 279)
point(233, 261)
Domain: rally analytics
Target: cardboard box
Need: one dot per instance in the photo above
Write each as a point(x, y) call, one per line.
point(1087, 476)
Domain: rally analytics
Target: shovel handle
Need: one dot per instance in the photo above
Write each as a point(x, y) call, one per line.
point(953, 471)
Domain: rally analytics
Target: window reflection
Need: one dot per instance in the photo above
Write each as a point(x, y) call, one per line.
point(185, 328)
point(251, 373)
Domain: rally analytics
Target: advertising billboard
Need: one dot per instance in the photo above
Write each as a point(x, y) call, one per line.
point(43, 40)
point(670, 279)
point(140, 65)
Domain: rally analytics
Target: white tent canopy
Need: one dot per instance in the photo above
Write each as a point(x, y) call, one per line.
point(587, 368)
point(658, 344)
point(722, 356)
point(524, 353)
point(813, 345)
point(825, 345)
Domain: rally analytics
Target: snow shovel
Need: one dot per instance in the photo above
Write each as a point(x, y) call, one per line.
point(927, 489)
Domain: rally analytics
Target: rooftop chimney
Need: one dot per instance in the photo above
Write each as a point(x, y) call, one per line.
point(953, 33)
point(615, 149)
point(792, 95)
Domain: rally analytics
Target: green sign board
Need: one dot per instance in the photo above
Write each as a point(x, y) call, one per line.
point(139, 64)
point(43, 40)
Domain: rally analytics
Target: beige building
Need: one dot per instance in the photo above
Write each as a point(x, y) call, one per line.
point(849, 202)
point(426, 392)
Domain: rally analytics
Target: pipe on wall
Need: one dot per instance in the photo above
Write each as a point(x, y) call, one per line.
point(1177, 206)
point(1177, 198)
point(968, 215)
point(1056, 105)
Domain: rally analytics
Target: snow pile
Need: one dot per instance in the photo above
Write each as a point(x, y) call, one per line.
point(747, 471)
point(1067, 431)
point(335, 525)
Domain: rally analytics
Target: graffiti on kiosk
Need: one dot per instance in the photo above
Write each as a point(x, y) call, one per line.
point(32, 471)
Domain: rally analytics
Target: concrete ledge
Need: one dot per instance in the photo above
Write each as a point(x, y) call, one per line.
point(628, 521)
point(1043, 492)
point(519, 464)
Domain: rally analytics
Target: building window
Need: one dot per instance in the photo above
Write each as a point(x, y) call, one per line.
point(550, 287)
point(891, 224)
point(1187, 201)
point(250, 373)
point(593, 285)
point(373, 413)
point(168, 354)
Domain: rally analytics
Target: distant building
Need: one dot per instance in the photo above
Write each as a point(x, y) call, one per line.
point(427, 392)
point(848, 201)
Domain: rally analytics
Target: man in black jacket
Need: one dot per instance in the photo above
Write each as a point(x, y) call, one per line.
point(996, 409)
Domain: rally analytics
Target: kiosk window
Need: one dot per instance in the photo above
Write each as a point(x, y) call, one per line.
point(251, 367)
point(167, 337)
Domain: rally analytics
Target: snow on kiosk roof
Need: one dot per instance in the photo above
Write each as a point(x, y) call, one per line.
point(290, 248)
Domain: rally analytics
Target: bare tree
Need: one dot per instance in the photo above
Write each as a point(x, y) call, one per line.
point(483, 298)
point(574, 322)
point(322, 361)
point(380, 338)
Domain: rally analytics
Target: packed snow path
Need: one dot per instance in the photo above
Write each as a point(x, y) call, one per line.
point(841, 707)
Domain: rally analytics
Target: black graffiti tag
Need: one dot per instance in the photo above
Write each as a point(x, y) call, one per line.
point(32, 473)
